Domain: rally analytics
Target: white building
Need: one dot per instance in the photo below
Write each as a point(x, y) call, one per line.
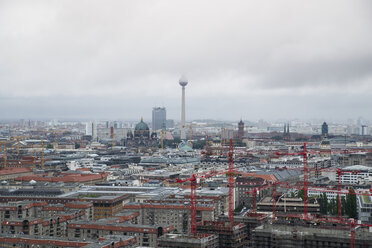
point(330, 195)
point(88, 128)
point(105, 133)
point(355, 174)
point(94, 131)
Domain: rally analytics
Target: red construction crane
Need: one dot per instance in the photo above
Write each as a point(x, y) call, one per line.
point(339, 172)
point(339, 219)
point(304, 154)
point(339, 204)
point(193, 183)
point(231, 182)
point(254, 192)
point(351, 222)
point(352, 234)
point(274, 201)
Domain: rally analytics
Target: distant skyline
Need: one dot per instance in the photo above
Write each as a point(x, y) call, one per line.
point(248, 122)
point(244, 59)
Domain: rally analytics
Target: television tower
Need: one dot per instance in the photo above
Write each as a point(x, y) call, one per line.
point(183, 82)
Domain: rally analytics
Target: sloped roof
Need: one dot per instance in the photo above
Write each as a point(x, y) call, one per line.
point(267, 177)
point(358, 167)
point(14, 170)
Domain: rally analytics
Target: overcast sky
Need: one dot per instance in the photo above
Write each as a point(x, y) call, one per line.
point(244, 59)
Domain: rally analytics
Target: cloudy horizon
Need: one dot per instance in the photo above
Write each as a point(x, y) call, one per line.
point(243, 59)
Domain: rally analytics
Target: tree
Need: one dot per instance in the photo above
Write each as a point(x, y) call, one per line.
point(301, 194)
point(239, 208)
point(343, 204)
point(172, 143)
point(323, 202)
point(49, 146)
point(199, 144)
point(77, 145)
point(351, 205)
point(332, 207)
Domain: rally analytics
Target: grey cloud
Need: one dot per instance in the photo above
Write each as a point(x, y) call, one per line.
point(116, 52)
point(324, 73)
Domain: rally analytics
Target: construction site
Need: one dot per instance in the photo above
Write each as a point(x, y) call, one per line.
point(219, 205)
point(179, 240)
point(291, 222)
point(281, 235)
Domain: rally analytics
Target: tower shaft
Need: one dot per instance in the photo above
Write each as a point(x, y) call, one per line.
point(183, 124)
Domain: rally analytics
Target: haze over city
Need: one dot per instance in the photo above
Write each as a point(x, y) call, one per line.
point(185, 124)
point(243, 59)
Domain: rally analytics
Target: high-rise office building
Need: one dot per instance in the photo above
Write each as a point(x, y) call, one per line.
point(325, 129)
point(159, 118)
point(169, 124)
point(364, 130)
point(94, 131)
point(88, 128)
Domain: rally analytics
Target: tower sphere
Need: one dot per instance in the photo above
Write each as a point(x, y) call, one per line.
point(183, 81)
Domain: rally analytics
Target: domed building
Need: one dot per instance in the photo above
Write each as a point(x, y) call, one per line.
point(185, 146)
point(141, 137)
point(142, 130)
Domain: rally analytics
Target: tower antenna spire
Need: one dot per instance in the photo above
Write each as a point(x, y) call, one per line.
point(183, 82)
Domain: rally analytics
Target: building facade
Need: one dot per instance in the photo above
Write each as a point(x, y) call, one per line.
point(159, 118)
point(141, 138)
point(180, 240)
point(146, 235)
point(240, 130)
point(324, 129)
point(276, 235)
point(364, 204)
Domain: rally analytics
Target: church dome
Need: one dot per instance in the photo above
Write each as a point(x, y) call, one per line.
point(325, 142)
point(142, 131)
point(141, 126)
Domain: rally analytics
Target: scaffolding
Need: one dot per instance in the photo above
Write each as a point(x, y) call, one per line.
point(232, 235)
